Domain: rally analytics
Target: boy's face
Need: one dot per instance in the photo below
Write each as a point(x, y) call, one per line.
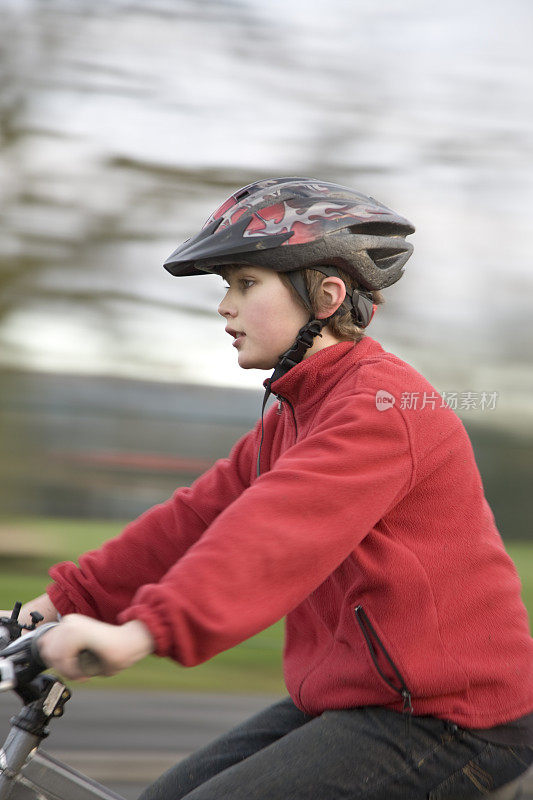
point(261, 315)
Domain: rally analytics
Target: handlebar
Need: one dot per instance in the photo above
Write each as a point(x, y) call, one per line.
point(21, 662)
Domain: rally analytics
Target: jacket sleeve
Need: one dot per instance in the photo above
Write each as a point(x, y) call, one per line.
point(107, 579)
point(283, 536)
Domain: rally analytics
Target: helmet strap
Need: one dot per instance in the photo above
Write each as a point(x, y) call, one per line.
point(296, 353)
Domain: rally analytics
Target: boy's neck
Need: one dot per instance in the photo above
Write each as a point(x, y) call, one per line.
point(326, 339)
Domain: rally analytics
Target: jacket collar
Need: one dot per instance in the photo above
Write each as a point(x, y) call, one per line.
point(311, 379)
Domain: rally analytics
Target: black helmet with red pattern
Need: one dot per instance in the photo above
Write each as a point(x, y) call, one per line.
point(289, 224)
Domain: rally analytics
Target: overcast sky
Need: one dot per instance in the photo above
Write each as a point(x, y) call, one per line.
point(127, 124)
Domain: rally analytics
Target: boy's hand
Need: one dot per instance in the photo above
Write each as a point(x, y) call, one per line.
point(118, 646)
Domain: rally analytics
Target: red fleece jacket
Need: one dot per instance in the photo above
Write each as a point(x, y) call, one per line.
point(368, 529)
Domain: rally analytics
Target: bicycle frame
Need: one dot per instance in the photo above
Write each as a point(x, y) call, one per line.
point(43, 777)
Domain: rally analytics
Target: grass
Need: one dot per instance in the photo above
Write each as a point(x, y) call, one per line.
point(522, 555)
point(29, 547)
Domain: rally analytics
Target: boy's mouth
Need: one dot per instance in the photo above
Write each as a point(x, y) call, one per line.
point(237, 335)
point(234, 333)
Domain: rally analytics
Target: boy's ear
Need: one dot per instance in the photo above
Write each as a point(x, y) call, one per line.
point(333, 293)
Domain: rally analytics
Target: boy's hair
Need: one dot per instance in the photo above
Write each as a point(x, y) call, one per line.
point(342, 325)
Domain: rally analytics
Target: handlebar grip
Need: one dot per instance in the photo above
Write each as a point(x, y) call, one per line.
point(90, 663)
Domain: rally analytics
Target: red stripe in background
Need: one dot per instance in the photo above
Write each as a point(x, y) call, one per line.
point(146, 461)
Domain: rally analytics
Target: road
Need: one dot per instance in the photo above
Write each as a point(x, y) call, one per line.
point(126, 739)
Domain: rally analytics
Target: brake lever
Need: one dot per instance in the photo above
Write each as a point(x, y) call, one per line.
point(11, 629)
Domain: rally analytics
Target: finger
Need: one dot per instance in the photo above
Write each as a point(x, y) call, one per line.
point(68, 668)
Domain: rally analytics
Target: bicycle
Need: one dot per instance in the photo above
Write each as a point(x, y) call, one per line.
point(27, 774)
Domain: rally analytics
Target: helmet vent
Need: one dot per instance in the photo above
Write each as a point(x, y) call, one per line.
point(382, 229)
point(384, 258)
point(241, 194)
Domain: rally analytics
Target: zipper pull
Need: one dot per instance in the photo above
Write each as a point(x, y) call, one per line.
point(278, 412)
point(407, 704)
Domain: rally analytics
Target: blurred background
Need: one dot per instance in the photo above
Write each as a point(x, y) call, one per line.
point(125, 124)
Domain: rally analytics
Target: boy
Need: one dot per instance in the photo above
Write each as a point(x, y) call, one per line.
point(408, 656)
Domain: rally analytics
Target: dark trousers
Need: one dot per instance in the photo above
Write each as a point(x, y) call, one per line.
point(283, 754)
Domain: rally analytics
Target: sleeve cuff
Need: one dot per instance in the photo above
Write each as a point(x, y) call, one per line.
point(61, 602)
point(154, 625)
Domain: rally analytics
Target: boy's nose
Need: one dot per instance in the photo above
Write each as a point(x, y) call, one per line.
point(225, 309)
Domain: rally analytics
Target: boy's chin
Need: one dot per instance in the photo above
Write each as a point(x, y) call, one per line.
point(250, 363)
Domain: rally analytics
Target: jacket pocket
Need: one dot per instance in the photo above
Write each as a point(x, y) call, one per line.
point(374, 643)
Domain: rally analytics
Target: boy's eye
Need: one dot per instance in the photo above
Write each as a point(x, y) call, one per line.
point(243, 283)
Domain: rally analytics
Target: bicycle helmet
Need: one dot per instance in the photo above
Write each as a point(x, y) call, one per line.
point(291, 224)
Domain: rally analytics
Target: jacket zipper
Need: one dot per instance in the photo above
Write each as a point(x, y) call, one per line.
point(368, 630)
point(281, 400)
